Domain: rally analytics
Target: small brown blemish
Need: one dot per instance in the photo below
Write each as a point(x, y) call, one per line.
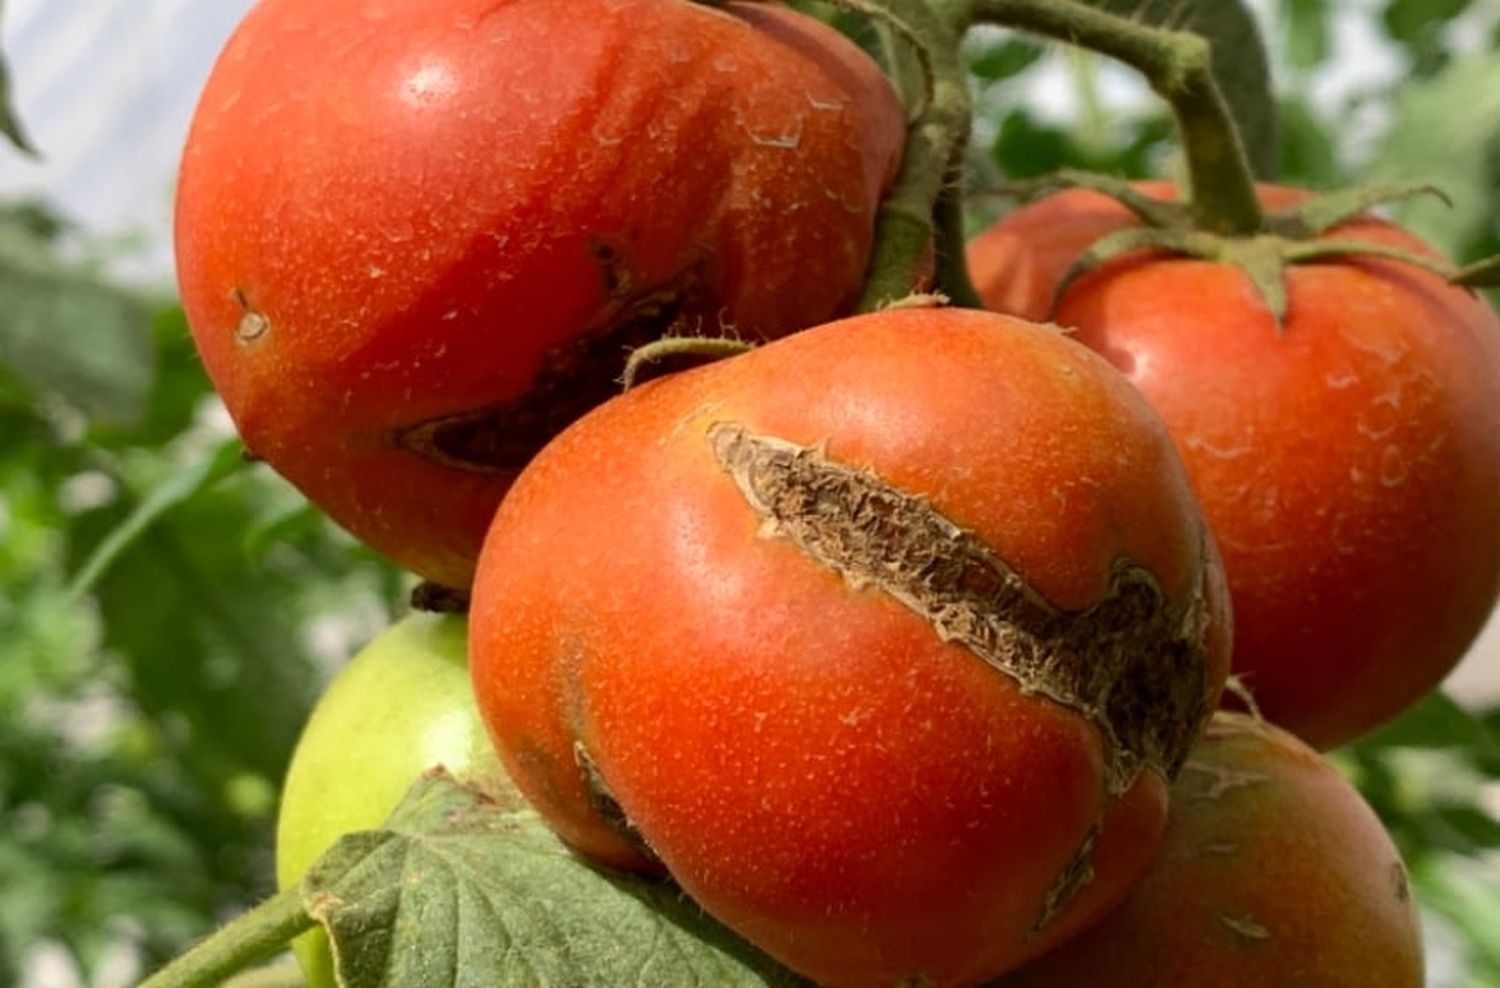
point(614, 275)
point(602, 801)
point(1400, 882)
point(253, 326)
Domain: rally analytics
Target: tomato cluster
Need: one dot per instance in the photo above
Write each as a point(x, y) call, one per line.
point(891, 641)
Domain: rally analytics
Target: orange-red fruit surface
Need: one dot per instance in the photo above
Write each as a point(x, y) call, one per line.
point(1347, 461)
point(415, 239)
point(880, 638)
point(1274, 872)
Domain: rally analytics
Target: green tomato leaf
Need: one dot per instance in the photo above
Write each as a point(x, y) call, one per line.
point(1433, 141)
point(1407, 20)
point(1004, 58)
point(1435, 721)
point(212, 650)
point(67, 332)
point(10, 123)
point(1239, 63)
point(1309, 156)
point(1466, 894)
point(1472, 828)
point(458, 890)
point(180, 487)
point(1306, 32)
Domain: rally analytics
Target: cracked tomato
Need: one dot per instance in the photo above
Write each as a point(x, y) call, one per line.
point(415, 239)
point(883, 639)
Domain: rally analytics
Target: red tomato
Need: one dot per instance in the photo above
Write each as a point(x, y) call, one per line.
point(1348, 462)
point(1274, 872)
point(882, 639)
point(415, 239)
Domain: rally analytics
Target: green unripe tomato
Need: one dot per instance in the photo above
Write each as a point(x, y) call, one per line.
point(400, 707)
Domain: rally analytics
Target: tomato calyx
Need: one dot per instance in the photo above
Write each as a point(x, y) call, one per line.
point(1295, 234)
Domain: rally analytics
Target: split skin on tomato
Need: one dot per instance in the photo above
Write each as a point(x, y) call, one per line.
point(402, 706)
point(882, 639)
point(1274, 872)
point(414, 240)
point(1348, 461)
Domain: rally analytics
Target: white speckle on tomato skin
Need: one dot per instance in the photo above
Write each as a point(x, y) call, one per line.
point(432, 82)
point(1393, 467)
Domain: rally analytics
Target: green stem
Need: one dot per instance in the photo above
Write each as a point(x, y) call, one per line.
point(939, 134)
point(251, 939)
point(952, 269)
point(904, 66)
point(1177, 64)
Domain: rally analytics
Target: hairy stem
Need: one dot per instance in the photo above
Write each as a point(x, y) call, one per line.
point(251, 939)
point(1177, 64)
point(952, 269)
point(937, 136)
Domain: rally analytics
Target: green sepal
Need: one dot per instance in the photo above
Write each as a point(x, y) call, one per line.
point(1264, 263)
point(1299, 252)
point(1289, 237)
point(1324, 212)
point(1151, 211)
point(1114, 245)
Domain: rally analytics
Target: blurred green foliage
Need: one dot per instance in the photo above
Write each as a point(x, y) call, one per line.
point(145, 720)
point(168, 612)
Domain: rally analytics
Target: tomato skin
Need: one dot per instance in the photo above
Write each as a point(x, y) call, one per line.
point(393, 213)
point(1274, 872)
point(402, 705)
point(809, 758)
point(1348, 464)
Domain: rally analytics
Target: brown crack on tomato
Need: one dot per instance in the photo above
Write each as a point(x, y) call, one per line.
point(1077, 873)
point(604, 804)
point(501, 438)
point(1133, 663)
